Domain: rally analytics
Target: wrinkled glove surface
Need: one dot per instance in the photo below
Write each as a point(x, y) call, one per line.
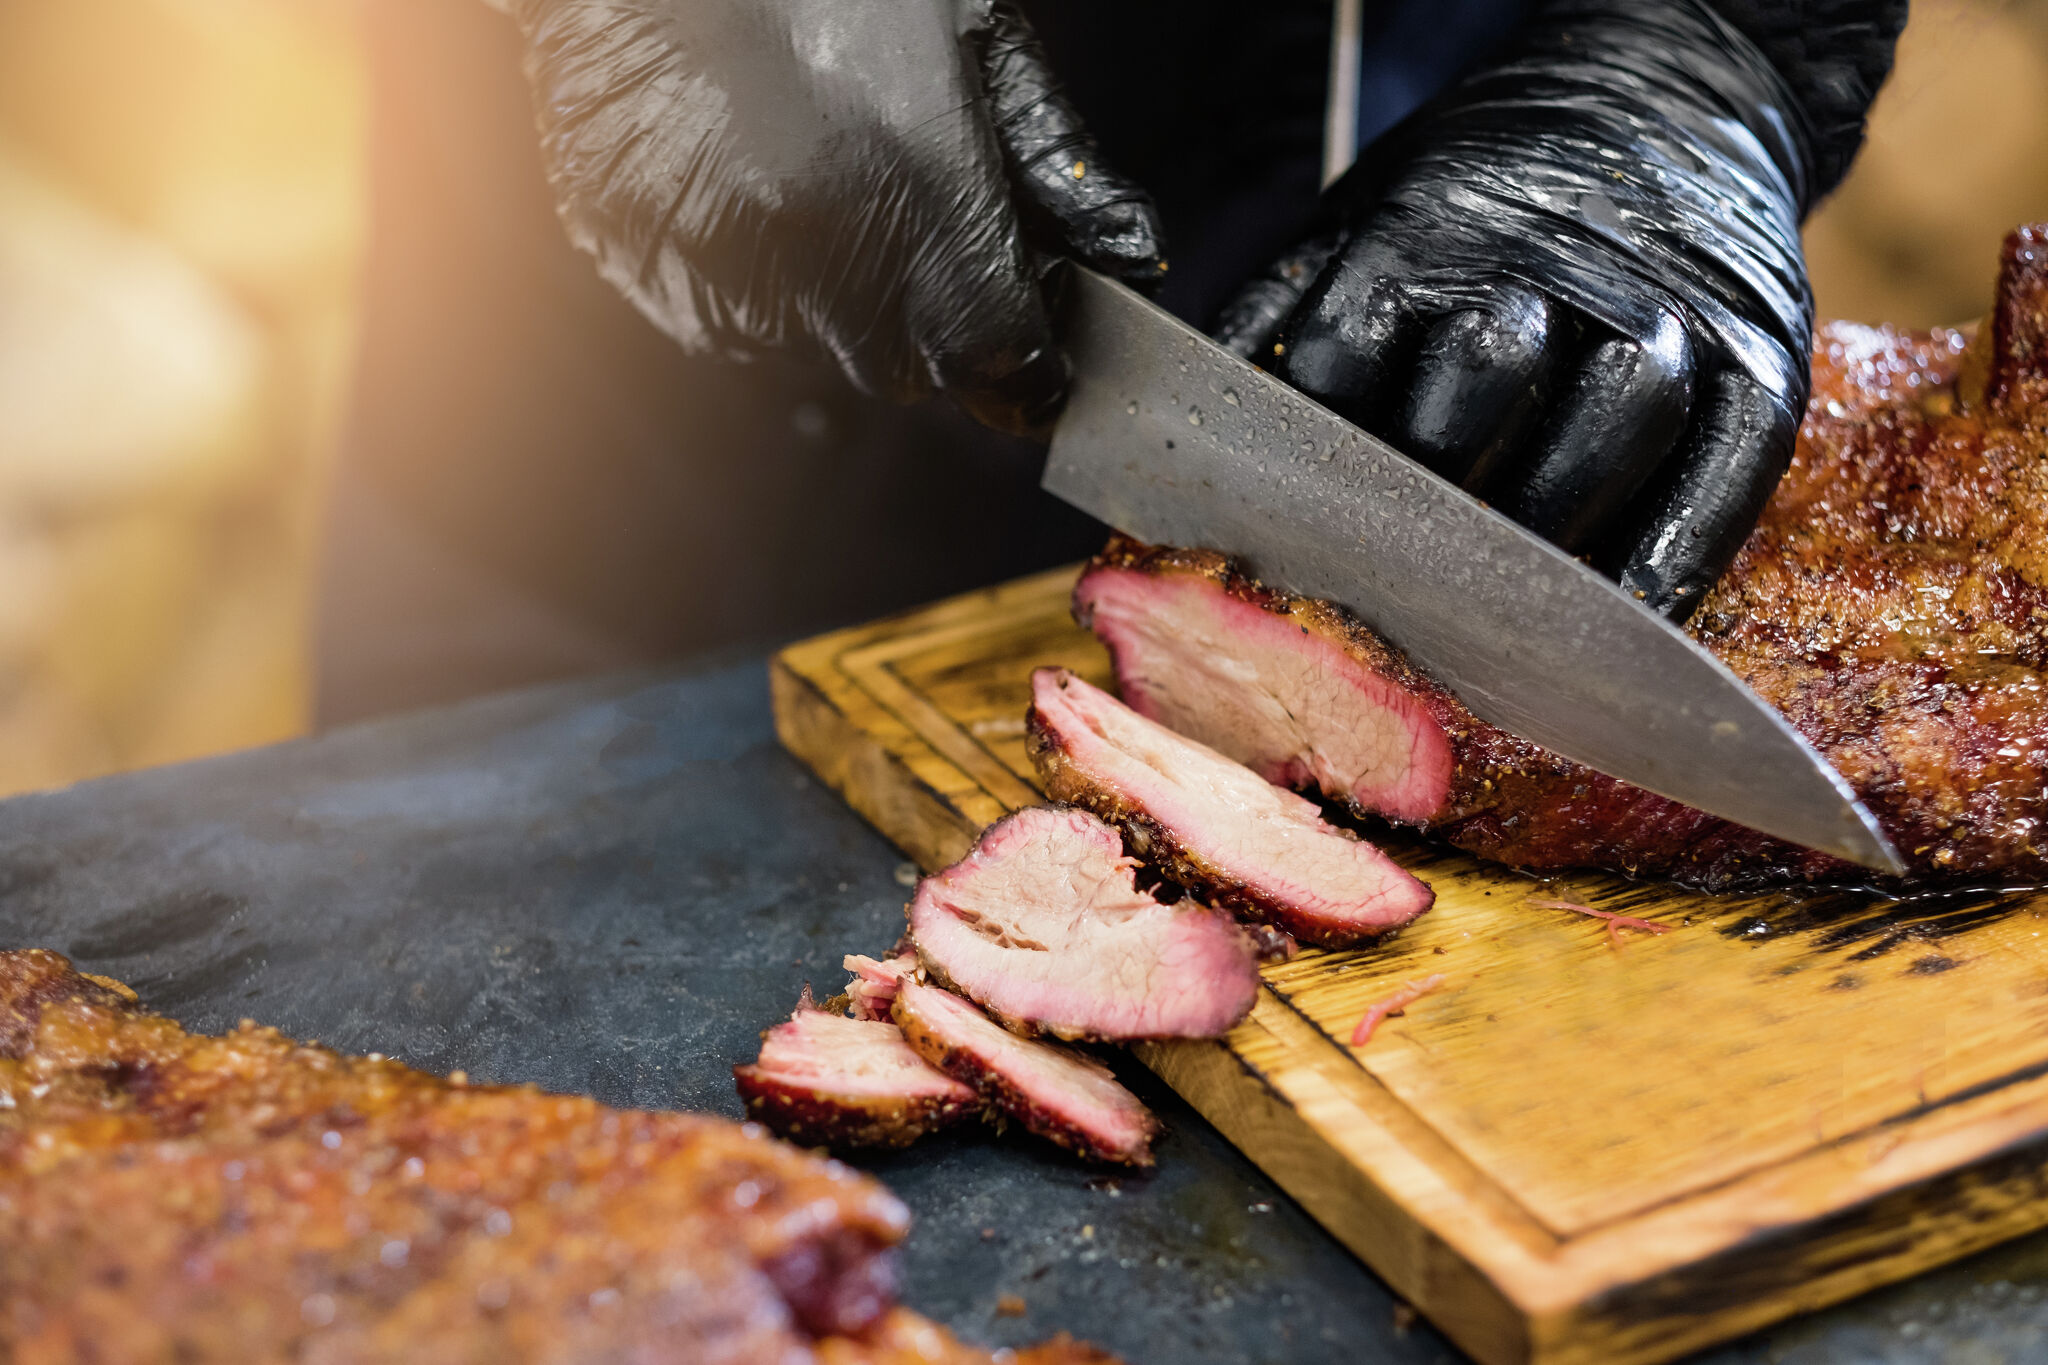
point(874, 180)
point(1573, 284)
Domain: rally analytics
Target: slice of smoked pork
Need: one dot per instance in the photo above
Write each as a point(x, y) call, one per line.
point(1892, 603)
point(826, 1080)
point(1292, 688)
point(1044, 926)
point(1053, 1091)
point(874, 984)
point(1212, 824)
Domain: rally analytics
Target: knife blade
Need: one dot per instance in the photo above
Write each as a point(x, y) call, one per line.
point(1173, 440)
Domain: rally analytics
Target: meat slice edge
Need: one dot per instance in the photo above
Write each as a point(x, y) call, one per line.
point(1053, 1091)
point(1211, 823)
point(826, 1079)
point(1043, 925)
point(1216, 657)
point(1502, 797)
point(876, 981)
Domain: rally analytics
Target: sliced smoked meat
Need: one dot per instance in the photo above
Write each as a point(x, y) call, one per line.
point(1053, 1091)
point(1294, 689)
point(827, 1080)
point(1892, 603)
point(1212, 824)
point(1043, 925)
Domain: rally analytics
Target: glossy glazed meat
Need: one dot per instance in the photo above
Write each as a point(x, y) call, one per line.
point(1053, 1091)
point(1212, 824)
point(827, 1080)
point(246, 1198)
point(1043, 925)
point(1893, 603)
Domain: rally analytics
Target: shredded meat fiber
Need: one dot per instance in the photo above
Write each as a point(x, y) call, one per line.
point(1892, 603)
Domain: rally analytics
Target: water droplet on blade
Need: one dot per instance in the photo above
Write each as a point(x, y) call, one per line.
point(1194, 417)
point(1230, 397)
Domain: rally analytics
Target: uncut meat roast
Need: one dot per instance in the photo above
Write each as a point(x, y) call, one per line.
point(1892, 603)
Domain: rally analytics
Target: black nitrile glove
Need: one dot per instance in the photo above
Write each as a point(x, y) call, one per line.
point(1573, 283)
point(873, 179)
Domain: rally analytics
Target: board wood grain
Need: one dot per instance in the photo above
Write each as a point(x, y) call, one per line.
point(1586, 1146)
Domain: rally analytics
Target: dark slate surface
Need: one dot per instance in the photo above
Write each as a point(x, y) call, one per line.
point(611, 887)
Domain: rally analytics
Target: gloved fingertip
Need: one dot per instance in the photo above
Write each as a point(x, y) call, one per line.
point(1122, 240)
point(1673, 597)
point(1344, 353)
point(1477, 387)
point(1693, 522)
point(1615, 423)
point(1024, 402)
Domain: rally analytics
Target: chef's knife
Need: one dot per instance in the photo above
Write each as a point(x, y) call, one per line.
point(1170, 438)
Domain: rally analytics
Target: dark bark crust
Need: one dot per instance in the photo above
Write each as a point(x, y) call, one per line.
point(817, 1118)
point(965, 1065)
point(1152, 843)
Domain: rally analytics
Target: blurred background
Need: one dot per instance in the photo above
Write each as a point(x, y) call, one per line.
point(183, 210)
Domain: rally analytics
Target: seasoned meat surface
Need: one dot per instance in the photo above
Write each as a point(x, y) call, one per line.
point(1893, 603)
point(904, 1338)
point(1212, 824)
point(1043, 925)
point(246, 1198)
point(1053, 1091)
point(828, 1080)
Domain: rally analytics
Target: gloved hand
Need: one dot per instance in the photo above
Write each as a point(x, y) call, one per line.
point(1573, 283)
point(870, 179)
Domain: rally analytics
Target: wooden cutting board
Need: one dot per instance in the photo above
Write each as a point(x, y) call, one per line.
point(1583, 1147)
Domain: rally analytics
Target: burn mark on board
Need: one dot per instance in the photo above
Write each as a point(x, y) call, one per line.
point(1874, 924)
point(1773, 1260)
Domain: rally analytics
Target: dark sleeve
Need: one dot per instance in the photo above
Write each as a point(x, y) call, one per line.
point(1833, 54)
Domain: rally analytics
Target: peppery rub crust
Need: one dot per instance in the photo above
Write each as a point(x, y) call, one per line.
point(995, 1084)
point(826, 1080)
point(245, 1197)
point(249, 1197)
point(808, 1118)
